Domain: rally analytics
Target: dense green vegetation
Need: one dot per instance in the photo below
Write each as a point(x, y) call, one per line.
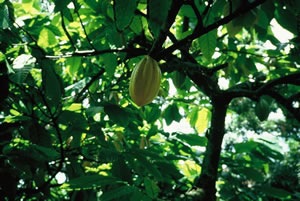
point(69, 130)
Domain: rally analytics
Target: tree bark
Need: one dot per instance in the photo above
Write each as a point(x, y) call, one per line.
point(209, 170)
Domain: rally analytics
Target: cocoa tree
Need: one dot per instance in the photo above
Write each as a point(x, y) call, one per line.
point(69, 129)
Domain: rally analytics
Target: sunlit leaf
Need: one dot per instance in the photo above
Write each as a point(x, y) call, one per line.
point(46, 39)
point(202, 120)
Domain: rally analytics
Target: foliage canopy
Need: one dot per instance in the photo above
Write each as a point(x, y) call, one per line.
point(69, 130)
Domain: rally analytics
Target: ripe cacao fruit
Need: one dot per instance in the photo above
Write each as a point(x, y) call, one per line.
point(145, 81)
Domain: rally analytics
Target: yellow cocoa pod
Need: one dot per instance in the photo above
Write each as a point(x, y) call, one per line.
point(145, 81)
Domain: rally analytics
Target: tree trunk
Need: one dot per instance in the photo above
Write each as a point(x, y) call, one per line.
point(208, 177)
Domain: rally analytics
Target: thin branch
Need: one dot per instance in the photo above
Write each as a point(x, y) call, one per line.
point(285, 103)
point(175, 7)
point(66, 31)
point(199, 25)
point(32, 38)
point(210, 2)
point(251, 53)
point(85, 53)
point(254, 90)
point(288, 79)
point(81, 23)
point(211, 27)
point(78, 97)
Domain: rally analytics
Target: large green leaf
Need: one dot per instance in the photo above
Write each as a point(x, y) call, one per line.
point(4, 17)
point(47, 39)
point(157, 15)
point(117, 114)
point(22, 66)
point(203, 117)
point(245, 146)
point(118, 192)
point(252, 173)
point(275, 192)
point(73, 64)
point(124, 12)
point(172, 114)
point(152, 189)
point(110, 63)
point(193, 139)
point(208, 43)
point(152, 113)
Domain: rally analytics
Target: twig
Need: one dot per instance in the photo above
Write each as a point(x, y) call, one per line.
point(94, 78)
point(66, 31)
point(210, 27)
point(83, 27)
point(85, 53)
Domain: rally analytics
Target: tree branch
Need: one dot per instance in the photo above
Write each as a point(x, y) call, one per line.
point(285, 103)
point(132, 52)
point(94, 78)
point(81, 23)
point(176, 5)
point(211, 27)
point(66, 31)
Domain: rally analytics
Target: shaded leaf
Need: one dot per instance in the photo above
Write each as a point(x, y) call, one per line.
point(117, 193)
point(157, 12)
point(172, 114)
point(152, 189)
point(193, 139)
point(124, 12)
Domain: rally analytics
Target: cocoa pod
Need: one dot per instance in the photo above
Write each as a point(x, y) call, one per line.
point(145, 81)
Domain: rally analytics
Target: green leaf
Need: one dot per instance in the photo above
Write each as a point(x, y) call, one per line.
point(117, 193)
point(110, 63)
point(208, 43)
point(124, 12)
point(47, 153)
point(73, 63)
point(46, 39)
point(262, 109)
point(193, 139)
point(152, 189)
point(61, 4)
point(245, 146)
point(275, 192)
point(4, 17)
point(157, 14)
point(121, 170)
point(252, 174)
point(118, 114)
point(90, 181)
point(267, 151)
point(202, 120)
point(136, 25)
point(51, 82)
point(152, 113)
point(286, 19)
point(22, 66)
point(172, 114)
point(148, 166)
point(193, 116)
